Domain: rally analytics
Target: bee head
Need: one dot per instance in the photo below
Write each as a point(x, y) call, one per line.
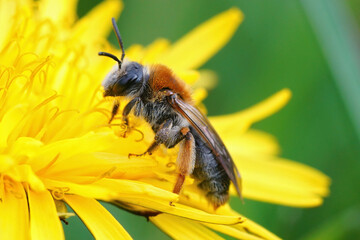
point(124, 81)
point(127, 77)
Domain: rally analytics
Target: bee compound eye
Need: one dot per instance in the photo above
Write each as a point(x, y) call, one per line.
point(128, 79)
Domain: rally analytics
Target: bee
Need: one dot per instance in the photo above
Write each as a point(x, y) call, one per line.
point(163, 100)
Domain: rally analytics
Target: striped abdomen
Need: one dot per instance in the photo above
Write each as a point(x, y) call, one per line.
point(212, 177)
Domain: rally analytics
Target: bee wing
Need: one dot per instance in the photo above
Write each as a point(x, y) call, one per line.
point(209, 135)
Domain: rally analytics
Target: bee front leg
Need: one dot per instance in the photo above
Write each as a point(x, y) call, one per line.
point(114, 110)
point(126, 112)
point(186, 159)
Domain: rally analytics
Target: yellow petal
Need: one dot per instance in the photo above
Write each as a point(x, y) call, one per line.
point(208, 80)
point(194, 197)
point(99, 164)
point(248, 225)
point(180, 210)
point(203, 42)
point(199, 95)
point(97, 219)
point(63, 14)
point(179, 228)
point(24, 173)
point(44, 221)
point(97, 23)
point(139, 194)
point(188, 76)
point(256, 229)
point(7, 12)
point(6, 162)
point(111, 189)
point(70, 147)
point(267, 107)
point(135, 52)
point(251, 142)
point(154, 50)
point(232, 232)
point(241, 121)
point(25, 146)
point(282, 181)
point(10, 121)
point(14, 217)
point(247, 229)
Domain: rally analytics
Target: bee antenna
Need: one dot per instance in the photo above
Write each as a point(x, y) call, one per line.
point(111, 56)
point(118, 36)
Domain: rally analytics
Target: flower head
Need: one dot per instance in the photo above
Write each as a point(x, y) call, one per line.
point(56, 146)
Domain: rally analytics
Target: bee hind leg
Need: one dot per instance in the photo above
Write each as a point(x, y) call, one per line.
point(186, 159)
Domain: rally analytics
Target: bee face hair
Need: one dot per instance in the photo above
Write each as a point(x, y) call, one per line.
point(125, 81)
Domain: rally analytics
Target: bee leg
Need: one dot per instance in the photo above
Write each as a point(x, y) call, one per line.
point(126, 112)
point(186, 159)
point(114, 110)
point(149, 151)
point(159, 138)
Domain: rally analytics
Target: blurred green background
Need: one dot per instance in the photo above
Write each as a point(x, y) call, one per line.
point(311, 47)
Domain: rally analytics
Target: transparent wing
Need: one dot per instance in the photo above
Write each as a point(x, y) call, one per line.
point(209, 135)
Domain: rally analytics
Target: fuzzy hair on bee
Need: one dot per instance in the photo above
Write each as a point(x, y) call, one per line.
point(164, 101)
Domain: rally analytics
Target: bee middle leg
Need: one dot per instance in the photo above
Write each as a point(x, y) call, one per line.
point(160, 137)
point(149, 151)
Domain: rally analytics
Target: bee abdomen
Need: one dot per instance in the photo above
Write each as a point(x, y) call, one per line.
point(214, 181)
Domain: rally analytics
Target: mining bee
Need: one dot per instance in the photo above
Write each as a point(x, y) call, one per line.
point(163, 100)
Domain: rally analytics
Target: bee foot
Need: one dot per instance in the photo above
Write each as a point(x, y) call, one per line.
point(125, 134)
point(137, 155)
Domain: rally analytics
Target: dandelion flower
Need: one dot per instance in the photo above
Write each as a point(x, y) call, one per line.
point(56, 147)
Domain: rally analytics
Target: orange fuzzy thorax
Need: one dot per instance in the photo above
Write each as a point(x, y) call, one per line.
point(162, 77)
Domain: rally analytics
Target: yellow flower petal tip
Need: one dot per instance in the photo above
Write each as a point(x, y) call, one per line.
point(98, 18)
point(235, 14)
point(267, 107)
point(284, 95)
point(194, 49)
point(238, 123)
